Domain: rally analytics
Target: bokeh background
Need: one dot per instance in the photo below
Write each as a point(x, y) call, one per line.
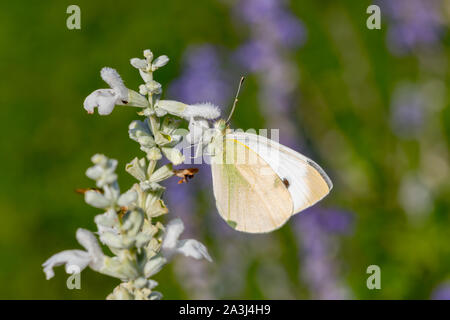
point(371, 106)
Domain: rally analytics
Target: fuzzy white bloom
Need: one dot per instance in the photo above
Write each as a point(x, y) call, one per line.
point(204, 110)
point(106, 99)
point(93, 256)
point(112, 77)
point(199, 110)
point(188, 247)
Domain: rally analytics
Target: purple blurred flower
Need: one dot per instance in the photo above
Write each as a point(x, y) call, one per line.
point(180, 201)
point(255, 11)
point(414, 24)
point(335, 221)
point(272, 20)
point(442, 292)
point(256, 55)
point(203, 78)
point(289, 29)
point(318, 251)
point(407, 111)
point(274, 33)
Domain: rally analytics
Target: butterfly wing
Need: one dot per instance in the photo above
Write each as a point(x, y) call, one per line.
point(250, 196)
point(306, 181)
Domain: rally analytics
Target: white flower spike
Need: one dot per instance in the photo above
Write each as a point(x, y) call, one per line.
point(141, 246)
point(204, 110)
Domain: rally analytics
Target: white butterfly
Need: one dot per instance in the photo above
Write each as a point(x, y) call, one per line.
point(258, 183)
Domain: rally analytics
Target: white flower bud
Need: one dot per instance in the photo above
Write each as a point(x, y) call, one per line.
point(145, 75)
point(155, 295)
point(174, 155)
point(96, 199)
point(137, 169)
point(154, 87)
point(153, 266)
point(143, 89)
point(154, 154)
point(139, 63)
point(148, 54)
point(128, 198)
point(107, 219)
point(162, 173)
point(137, 100)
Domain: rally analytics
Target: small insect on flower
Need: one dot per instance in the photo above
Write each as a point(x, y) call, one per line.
point(185, 174)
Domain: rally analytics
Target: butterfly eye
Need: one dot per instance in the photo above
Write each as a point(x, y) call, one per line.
point(286, 182)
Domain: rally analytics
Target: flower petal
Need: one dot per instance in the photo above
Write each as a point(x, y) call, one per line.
point(173, 231)
point(137, 168)
point(106, 105)
point(104, 99)
point(155, 295)
point(127, 198)
point(159, 62)
point(162, 173)
point(189, 247)
point(107, 219)
point(94, 172)
point(193, 248)
point(137, 99)
point(96, 199)
point(174, 155)
point(112, 77)
point(88, 240)
point(139, 63)
point(171, 106)
point(138, 129)
point(78, 258)
point(154, 265)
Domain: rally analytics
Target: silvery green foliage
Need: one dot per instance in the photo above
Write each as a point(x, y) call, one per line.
point(128, 227)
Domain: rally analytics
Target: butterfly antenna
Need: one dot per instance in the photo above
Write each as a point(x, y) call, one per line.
point(235, 100)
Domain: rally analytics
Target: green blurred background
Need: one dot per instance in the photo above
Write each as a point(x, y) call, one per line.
point(374, 114)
